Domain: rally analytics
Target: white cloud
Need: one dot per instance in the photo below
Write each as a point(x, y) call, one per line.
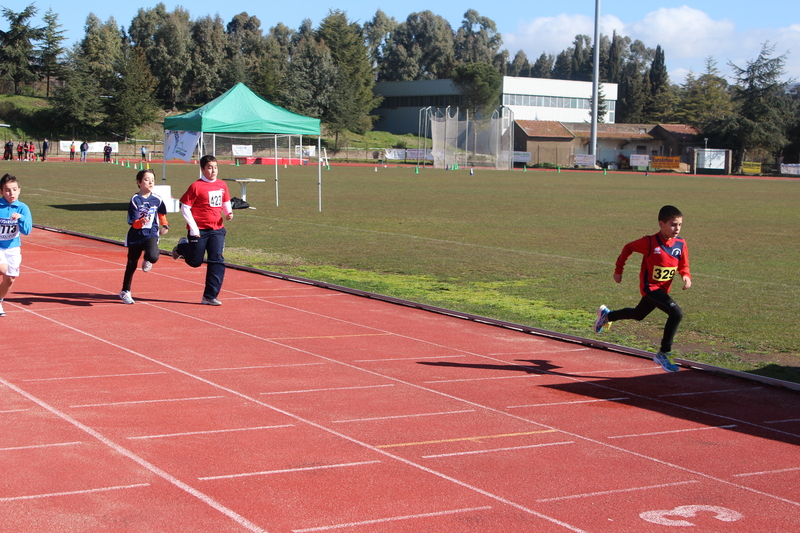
point(688, 36)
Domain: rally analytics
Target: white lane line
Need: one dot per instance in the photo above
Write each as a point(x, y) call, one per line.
point(618, 491)
point(408, 358)
point(512, 448)
point(287, 470)
point(326, 390)
point(672, 431)
point(34, 446)
point(94, 377)
point(707, 392)
point(782, 421)
point(486, 379)
point(768, 472)
point(208, 500)
point(148, 401)
point(208, 432)
point(71, 493)
point(566, 403)
point(402, 416)
point(257, 367)
point(390, 519)
point(13, 411)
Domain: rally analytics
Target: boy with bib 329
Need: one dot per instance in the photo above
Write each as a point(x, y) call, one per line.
point(663, 256)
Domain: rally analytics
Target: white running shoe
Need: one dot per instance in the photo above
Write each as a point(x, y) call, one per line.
point(126, 297)
point(146, 265)
point(2, 311)
point(210, 301)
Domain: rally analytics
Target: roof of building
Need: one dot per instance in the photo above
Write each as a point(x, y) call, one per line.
point(681, 132)
point(545, 128)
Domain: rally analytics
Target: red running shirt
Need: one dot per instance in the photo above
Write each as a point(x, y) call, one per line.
point(206, 199)
point(661, 260)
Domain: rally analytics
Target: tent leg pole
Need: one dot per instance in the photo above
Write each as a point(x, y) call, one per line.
point(319, 170)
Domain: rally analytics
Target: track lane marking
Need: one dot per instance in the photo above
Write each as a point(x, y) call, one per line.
point(99, 376)
point(401, 416)
point(694, 393)
point(566, 403)
point(687, 430)
point(209, 432)
point(461, 439)
point(618, 491)
point(72, 493)
point(257, 367)
point(287, 470)
point(301, 391)
point(131, 402)
point(782, 470)
point(208, 500)
point(483, 379)
point(511, 448)
point(390, 519)
point(34, 446)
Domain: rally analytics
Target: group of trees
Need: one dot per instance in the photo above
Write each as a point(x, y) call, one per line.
point(114, 80)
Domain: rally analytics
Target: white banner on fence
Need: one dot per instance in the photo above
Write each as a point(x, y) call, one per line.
point(711, 158)
point(793, 170)
point(584, 160)
point(94, 147)
point(242, 150)
point(416, 153)
point(640, 160)
point(395, 153)
point(180, 144)
point(522, 157)
point(308, 150)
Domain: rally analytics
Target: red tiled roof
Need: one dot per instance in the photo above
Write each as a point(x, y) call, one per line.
point(545, 128)
point(681, 132)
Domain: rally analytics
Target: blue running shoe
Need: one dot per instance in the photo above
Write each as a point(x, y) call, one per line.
point(666, 361)
point(602, 319)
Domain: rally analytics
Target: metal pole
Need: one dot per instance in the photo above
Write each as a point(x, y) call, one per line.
point(595, 80)
point(276, 169)
point(319, 170)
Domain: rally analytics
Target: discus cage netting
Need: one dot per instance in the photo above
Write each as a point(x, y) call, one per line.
point(461, 140)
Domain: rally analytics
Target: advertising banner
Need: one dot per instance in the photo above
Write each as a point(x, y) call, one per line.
point(666, 163)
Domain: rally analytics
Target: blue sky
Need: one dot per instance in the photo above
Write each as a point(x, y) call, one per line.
point(688, 32)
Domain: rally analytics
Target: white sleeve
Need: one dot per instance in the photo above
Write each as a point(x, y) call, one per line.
point(227, 208)
point(186, 211)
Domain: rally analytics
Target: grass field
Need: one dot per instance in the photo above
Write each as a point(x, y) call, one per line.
point(536, 248)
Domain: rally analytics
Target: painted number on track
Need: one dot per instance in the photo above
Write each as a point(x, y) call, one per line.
point(675, 516)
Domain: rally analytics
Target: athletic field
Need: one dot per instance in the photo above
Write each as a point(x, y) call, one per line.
point(535, 248)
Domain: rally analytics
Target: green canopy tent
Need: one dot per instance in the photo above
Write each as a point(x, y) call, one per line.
point(240, 110)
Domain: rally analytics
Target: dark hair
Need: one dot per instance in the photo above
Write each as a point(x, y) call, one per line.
point(141, 173)
point(8, 178)
point(668, 212)
point(206, 159)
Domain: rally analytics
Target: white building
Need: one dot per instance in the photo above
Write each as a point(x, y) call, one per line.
point(559, 100)
point(528, 98)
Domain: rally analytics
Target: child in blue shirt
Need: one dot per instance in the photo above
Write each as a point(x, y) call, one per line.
point(145, 211)
point(15, 220)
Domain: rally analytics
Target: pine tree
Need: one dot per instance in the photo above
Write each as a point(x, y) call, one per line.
point(17, 57)
point(50, 55)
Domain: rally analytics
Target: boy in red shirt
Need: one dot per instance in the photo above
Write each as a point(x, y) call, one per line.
point(202, 206)
point(663, 255)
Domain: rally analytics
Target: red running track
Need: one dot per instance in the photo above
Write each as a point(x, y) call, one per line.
point(294, 408)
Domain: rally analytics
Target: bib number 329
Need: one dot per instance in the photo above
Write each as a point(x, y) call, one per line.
point(664, 273)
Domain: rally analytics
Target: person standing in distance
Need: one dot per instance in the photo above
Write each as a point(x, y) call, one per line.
point(202, 206)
